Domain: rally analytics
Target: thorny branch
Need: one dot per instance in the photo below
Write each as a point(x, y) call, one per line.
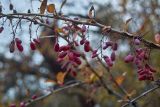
point(94, 23)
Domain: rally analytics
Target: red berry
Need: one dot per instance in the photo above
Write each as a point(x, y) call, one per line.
point(94, 55)
point(18, 41)
point(94, 51)
point(77, 61)
point(108, 61)
point(142, 77)
point(1, 29)
point(20, 47)
point(129, 58)
point(64, 48)
point(32, 46)
point(113, 56)
point(34, 97)
point(86, 46)
point(71, 56)
point(137, 41)
point(115, 46)
point(105, 47)
point(76, 53)
point(73, 73)
point(22, 104)
point(82, 41)
point(56, 47)
point(109, 43)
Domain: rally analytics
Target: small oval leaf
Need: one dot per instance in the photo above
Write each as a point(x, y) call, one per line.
point(51, 8)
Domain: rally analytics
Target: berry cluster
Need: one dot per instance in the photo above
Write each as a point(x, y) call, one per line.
point(145, 71)
point(71, 57)
point(86, 44)
point(17, 43)
point(110, 59)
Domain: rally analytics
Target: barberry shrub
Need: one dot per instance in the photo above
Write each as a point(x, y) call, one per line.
point(81, 58)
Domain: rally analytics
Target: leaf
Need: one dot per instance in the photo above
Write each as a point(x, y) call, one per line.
point(91, 13)
point(119, 80)
point(43, 6)
point(59, 30)
point(127, 24)
point(51, 8)
point(60, 77)
point(128, 20)
point(92, 78)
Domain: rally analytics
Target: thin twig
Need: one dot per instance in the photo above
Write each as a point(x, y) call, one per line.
point(53, 92)
point(141, 95)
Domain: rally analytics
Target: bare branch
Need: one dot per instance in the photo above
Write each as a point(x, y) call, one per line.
point(94, 23)
point(141, 95)
point(30, 102)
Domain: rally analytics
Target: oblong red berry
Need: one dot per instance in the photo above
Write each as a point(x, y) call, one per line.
point(115, 46)
point(34, 97)
point(76, 53)
point(77, 61)
point(109, 43)
point(73, 73)
point(20, 47)
point(129, 58)
point(86, 47)
point(56, 47)
point(71, 56)
point(94, 55)
point(32, 46)
point(64, 48)
point(108, 61)
point(1, 29)
point(113, 56)
point(82, 41)
point(18, 41)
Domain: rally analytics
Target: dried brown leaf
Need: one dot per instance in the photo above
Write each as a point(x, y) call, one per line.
point(51, 8)
point(43, 6)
